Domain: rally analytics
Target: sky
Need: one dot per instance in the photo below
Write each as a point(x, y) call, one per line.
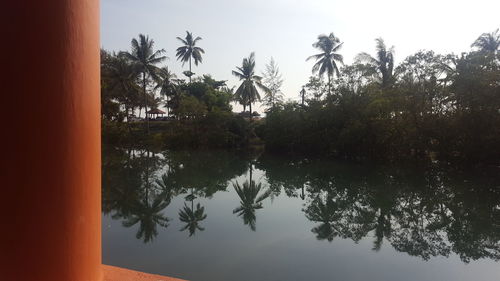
point(286, 30)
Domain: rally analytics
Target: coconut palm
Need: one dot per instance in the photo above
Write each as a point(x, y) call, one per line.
point(146, 59)
point(383, 63)
point(250, 200)
point(488, 42)
point(192, 218)
point(326, 61)
point(189, 51)
point(247, 92)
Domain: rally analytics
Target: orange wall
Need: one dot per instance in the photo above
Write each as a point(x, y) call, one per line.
point(50, 175)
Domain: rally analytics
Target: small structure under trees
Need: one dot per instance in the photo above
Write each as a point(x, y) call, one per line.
point(156, 112)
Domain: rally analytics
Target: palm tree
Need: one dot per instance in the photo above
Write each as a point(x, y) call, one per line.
point(192, 218)
point(326, 61)
point(166, 84)
point(383, 63)
point(247, 93)
point(488, 42)
point(144, 56)
point(188, 51)
point(249, 201)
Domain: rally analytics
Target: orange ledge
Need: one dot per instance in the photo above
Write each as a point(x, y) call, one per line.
point(113, 273)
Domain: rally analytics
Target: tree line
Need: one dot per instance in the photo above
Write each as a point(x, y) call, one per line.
point(429, 105)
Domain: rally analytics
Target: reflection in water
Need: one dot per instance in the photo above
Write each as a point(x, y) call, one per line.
point(192, 218)
point(148, 215)
point(250, 200)
point(424, 212)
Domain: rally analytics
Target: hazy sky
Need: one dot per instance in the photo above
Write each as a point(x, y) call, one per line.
point(286, 29)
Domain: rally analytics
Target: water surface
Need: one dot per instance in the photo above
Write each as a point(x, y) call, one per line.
point(218, 216)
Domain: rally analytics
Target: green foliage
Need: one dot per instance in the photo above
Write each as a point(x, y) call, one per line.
point(217, 129)
point(190, 108)
point(429, 104)
point(273, 81)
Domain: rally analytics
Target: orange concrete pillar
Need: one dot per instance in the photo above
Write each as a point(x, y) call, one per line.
point(50, 124)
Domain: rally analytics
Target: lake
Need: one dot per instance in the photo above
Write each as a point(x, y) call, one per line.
point(224, 216)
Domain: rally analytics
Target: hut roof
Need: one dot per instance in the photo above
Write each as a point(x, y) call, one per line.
point(156, 111)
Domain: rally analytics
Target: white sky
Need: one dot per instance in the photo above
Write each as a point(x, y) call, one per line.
point(286, 29)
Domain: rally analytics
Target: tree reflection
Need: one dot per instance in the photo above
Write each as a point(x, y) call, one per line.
point(138, 185)
point(429, 212)
point(326, 212)
point(425, 211)
point(192, 218)
point(250, 200)
point(148, 215)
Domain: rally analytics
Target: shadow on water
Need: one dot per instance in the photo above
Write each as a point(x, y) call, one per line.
point(425, 211)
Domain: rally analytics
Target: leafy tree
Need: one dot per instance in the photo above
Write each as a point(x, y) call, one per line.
point(326, 61)
point(315, 87)
point(146, 59)
point(167, 84)
point(247, 92)
point(273, 80)
point(118, 86)
point(190, 107)
point(189, 51)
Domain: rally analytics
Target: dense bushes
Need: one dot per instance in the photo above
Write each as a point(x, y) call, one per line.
point(217, 129)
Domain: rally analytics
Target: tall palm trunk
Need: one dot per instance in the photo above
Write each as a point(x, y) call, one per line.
point(190, 73)
point(251, 170)
point(329, 85)
point(145, 100)
point(250, 107)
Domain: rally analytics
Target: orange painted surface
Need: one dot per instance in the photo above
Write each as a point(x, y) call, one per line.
point(113, 273)
point(50, 182)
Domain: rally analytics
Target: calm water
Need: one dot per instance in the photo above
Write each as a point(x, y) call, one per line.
point(218, 216)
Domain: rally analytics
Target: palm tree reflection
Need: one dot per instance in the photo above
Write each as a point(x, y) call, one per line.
point(250, 200)
point(192, 218)
point(325, 212)
point(148, 215)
